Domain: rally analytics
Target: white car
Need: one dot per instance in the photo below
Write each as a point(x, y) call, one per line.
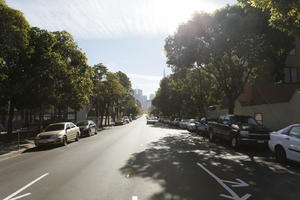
point(285, 143)
point(183, 122)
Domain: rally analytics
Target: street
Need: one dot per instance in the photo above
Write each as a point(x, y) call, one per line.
point(147, 162)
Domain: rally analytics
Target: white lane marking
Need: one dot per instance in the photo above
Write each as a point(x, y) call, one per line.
point(233, 196)
point(11, 197)
point(21, 196)
point(237, 183)
point(134, 198)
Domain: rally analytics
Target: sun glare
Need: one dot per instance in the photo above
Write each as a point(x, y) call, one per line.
point(174, 12)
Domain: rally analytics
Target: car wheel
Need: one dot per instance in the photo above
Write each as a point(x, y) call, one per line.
point(96, 131)
point(280, 154)
point(65, 141)
point(211, 135)
point(234, 143)
point(77, 137)
point(90, 133)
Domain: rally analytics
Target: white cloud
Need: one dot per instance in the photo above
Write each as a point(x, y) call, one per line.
point(91, 19)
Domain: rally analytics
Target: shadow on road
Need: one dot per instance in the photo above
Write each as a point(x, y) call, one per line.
point(171, 162)
point(7, 147)
point(164, 126)
point(45, 148)
point(49, 147)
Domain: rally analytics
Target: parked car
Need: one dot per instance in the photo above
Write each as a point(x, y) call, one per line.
point(202, 125)
point(58, 133)
point(191, 125)
point(183, 123)
point(238, 130)
point(152, 120)
point(87, 128)
point(126, 119)
point(285, 143)
point(168, 121)
point(160, 119)
point(120, 122)
point(175, 122)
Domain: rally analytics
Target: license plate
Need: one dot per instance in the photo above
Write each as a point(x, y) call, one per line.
point(260, 141)
point(44, 141)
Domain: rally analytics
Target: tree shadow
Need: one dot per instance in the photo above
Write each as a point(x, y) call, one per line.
point(44, 148)
point(171, 162)
point(164, 126)
point(47, 147)
point(7, 147)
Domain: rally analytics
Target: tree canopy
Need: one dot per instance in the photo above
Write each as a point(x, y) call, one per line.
point(41, 69)
point(284, 15)
point(232, 46)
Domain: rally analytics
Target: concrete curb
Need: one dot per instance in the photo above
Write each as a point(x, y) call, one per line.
point(16, 152)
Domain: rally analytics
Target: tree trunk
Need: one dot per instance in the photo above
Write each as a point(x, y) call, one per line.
point(97, 113)
point(26, 124)
point(101, 117)
point(108, 114)
point(231, 107)
point(106, 111)
point(11, 112)
point(41, 119)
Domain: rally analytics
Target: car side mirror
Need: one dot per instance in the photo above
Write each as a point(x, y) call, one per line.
point(285, 132)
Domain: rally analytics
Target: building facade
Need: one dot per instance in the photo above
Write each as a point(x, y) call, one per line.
point(275, 104)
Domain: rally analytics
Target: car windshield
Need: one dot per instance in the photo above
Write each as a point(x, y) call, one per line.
point(55, 127)
point(185, 120)
point(82, 123)
point(245, 120)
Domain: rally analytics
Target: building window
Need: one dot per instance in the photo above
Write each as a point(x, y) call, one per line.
point(292, 52)
point(47, 116)
point(290, 75)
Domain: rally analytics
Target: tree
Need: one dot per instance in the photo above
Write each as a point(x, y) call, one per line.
point(185, 95)
point(77, 81)
point(284, 15)
point(44, 71)
point(114, 91)
point(232, 46)
point(99, 92)
point(13, 53)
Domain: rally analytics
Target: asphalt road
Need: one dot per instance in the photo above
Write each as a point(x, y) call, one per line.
point(145, 162)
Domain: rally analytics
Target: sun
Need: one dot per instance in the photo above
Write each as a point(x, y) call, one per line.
point(174, 12)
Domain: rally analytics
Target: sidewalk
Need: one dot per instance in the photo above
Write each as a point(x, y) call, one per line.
point(12, 148)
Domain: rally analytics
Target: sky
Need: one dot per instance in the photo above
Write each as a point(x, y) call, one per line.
point(125, 35)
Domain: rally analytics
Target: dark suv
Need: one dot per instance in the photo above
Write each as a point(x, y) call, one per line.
point(238, 129)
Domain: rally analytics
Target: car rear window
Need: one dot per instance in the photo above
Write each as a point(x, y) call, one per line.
point(82, 123)
point(244, 120)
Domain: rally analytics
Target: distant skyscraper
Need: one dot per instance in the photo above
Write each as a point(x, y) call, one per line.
point(138, 95)
point(138, 92)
